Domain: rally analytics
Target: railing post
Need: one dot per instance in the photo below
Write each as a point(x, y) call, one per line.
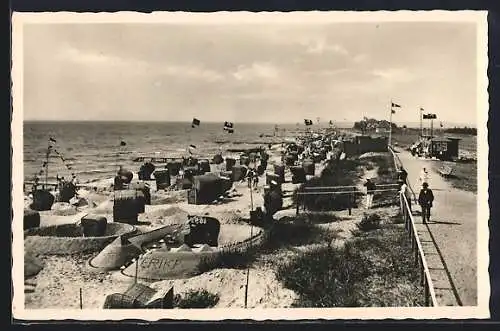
point(422, 271)
point(297, 203)
point(426, 292)
point(417, 251)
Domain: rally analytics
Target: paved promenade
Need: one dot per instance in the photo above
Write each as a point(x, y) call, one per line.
point(450, 238)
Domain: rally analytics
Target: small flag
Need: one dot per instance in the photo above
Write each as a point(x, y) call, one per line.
point(196, 122)
point(395, 105)
point(441, 124)
point(422, 109)
point(393, 111)
point(308, 122)
point(331, 122)
point(123, 143)
point(53, 140)
point(191, 148)
point(229, 127)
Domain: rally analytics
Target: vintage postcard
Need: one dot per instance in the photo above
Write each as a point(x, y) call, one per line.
point(235, 165)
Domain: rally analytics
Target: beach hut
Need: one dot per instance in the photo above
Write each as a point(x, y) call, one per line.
point(144, 189)
point(42, 200)
point(239, 172)
point(162, 178)
point(444, 148)
point(204, 166)
point(230, 162)
point(31, 219)
point(298, 174)
point(174, 167)
point(280, 171)
point(126, 206)
point(309, 167)
point(93, 225)
point(200, 230)
point(206, 189)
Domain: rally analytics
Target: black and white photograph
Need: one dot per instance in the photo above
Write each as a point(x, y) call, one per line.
point(237, 165)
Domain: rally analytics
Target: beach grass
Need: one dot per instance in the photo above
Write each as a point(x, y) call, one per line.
point(375, 268)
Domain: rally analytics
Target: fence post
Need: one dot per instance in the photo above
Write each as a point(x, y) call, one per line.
point(297, 203)
point(422, 271)
point(416, 249)
point(426, 292)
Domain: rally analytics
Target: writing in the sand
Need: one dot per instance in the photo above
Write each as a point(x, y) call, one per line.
point(159, 263)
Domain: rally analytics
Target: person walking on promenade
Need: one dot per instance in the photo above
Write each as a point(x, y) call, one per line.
point(370, 187)
point(425, 200)
point(402, 175)
point(424, 176)
point(405, 192)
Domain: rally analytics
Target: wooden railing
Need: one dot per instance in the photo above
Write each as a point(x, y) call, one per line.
point(416, 245)
point(419, 256)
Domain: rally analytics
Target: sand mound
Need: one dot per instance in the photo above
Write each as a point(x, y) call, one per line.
point(371, 154)
point(32, 265)
point(233, 233)
point(168, 197)
point(265, 291)
point(163, 264)
point(63, 209)
point(67, 239)
point(105, 207)
point(115, 255)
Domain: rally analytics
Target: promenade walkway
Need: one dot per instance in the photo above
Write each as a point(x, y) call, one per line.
point(450, 238)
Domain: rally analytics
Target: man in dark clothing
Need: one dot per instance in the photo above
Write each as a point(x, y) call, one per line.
point(370, 187)
point(425, 199)
point(402, 175)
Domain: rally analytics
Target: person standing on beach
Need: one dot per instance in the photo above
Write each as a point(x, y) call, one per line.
point(425, 200)
point(370, 188)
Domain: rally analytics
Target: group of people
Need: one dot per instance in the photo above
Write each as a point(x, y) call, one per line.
point(425, 197)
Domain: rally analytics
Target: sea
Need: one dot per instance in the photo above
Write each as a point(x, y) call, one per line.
point(93, 151)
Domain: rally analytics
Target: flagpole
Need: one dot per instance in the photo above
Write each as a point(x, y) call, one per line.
point(421, 110)
point(390, 125)
point(47, 166)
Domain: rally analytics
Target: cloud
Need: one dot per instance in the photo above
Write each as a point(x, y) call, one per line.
point(321, 46)
point(137, 66)
point(394, 75)
point(256, 71)
point(90, 58)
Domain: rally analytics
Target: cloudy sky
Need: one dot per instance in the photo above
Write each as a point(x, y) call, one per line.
point(249, 72)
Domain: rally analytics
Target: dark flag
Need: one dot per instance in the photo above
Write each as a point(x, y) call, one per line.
point(191, 148)
point(122, 143)
point(308, 122)
point(395, 105)
point(441, 124)
point(196, 122)
point(229, 127)
point(52, 140)
point(331, 122)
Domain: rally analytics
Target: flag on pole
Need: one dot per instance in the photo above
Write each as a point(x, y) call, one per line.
point(191, 148)
point(308, 122)
point(441, 124)
point(394, 105)
point(53, 140)
point(196, 122)
point(229, 127)
point(123, 143)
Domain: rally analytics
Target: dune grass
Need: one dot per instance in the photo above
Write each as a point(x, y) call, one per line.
point(373, 269)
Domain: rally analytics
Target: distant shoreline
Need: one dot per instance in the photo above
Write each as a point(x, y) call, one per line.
point(343, 124)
